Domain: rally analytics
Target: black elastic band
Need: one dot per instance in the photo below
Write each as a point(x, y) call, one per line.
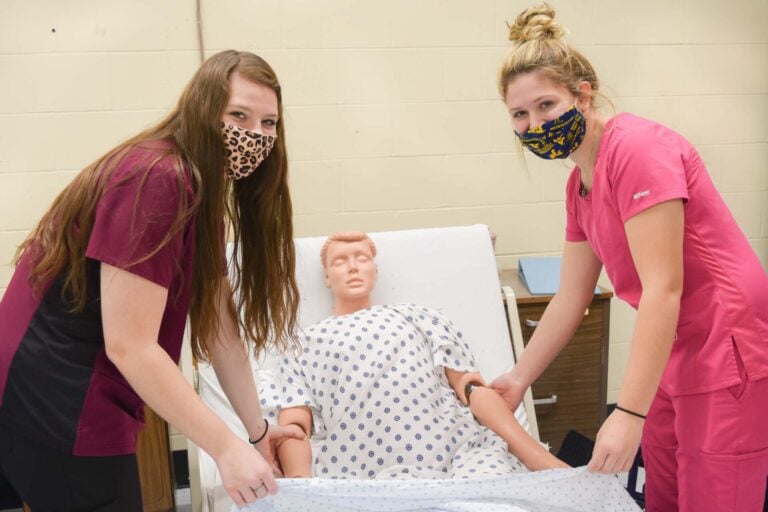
point(266, 429)
point(633, 413)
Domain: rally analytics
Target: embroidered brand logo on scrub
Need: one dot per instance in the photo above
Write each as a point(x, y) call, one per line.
point(557, 138)
point(641, 194)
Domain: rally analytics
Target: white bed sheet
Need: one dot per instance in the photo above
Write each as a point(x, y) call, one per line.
point(569, 490)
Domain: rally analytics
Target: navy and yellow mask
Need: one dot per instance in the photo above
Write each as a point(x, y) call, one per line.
point(557, 138)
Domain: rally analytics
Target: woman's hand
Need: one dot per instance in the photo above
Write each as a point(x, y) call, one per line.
point(616, 444)
point(245, 474)
point(510, 389)
point(276, 434)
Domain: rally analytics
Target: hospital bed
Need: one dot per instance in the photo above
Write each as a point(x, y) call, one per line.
point(451, 269)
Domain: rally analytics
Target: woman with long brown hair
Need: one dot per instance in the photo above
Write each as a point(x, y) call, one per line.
point(92, 322)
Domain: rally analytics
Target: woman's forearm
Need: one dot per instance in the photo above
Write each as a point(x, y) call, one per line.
point(132, 309)
point(654, 334)
point(231, 362)
point(579, 271)
point(235, 374)
point(560, 320)
point(655, 238)
point(157, 380)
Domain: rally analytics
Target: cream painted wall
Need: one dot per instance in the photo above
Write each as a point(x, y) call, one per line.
point(393, 119)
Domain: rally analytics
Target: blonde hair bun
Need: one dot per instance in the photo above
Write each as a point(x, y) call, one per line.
point(535, 23)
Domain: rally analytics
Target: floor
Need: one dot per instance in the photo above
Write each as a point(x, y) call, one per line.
point(183, 502)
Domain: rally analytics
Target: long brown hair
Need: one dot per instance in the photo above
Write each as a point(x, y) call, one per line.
point(258, 209)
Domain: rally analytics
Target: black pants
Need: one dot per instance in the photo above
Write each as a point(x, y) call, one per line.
point(49, 480)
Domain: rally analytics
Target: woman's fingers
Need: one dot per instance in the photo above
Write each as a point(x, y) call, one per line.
point(276, 470)
point(237, 497)
point(616, 444)
point(278, 433)
point(254, 491)
point(598, 461)
point(270, 484)
point(246, 475)
point(294, 433)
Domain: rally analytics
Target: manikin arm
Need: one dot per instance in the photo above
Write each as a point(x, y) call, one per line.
point(491, 411)
point(295, 455)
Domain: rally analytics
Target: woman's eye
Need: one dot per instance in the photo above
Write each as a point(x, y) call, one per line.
point(519, 114)
point(545, 105)
point(270, 122)
point(238, 115)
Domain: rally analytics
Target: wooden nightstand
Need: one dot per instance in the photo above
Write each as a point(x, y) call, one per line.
point(155, 469)
point(571, 394)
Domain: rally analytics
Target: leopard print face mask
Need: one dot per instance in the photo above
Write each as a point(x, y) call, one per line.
point(245, 149)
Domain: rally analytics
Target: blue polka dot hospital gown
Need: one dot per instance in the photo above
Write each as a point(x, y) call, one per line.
point(382, 406)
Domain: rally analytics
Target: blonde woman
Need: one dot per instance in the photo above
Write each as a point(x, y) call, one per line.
point(640, 202)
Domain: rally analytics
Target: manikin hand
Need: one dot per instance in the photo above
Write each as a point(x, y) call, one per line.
point(542, 460)
point(510, 390)
point(245, 474)
point(267, 447)
point(616, 443)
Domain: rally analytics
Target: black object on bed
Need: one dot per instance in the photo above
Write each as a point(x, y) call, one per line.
point(576, 450)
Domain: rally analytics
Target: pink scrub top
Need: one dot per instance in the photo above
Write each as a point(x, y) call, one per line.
point(724, 306)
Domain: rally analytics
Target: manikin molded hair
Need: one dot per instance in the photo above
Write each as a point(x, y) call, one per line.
point(345, 236)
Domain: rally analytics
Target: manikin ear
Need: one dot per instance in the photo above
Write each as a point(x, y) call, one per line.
point(327, 281)
point(584, 97)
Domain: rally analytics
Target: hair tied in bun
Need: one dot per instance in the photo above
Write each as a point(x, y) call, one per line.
point(535, 23)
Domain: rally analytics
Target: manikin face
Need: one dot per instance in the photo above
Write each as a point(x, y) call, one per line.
point(251, 106)
point(533, 100)
point(350, 270)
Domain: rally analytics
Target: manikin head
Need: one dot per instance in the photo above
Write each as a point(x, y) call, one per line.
point(350, 270)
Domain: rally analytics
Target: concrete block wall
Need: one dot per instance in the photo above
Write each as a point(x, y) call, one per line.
point(392, 117)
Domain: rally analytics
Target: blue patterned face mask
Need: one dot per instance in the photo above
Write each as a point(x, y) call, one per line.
point(557, 138)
